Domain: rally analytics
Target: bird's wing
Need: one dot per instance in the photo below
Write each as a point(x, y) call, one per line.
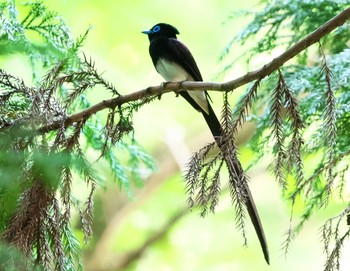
point(179, 52)
point(184, 58)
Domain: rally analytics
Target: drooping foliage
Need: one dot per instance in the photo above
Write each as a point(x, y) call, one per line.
point(301, 111)
point(40, 166)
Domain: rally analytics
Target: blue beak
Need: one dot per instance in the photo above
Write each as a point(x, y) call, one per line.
point(147, 32)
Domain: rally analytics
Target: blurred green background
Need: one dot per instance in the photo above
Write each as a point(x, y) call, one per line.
point(154, 230)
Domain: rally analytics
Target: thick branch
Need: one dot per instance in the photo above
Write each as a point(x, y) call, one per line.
point(264, 71)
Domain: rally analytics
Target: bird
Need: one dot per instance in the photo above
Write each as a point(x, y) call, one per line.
point(175, 63)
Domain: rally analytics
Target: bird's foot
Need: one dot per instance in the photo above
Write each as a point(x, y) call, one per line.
point(179, 86)
point(164, 84)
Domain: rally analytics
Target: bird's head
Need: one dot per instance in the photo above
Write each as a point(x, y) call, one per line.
point(161, 30)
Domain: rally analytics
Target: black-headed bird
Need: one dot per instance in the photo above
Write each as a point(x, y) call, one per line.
point(175, 63)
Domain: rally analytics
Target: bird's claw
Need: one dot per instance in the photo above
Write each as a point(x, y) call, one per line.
point(179, 84)
point(164, 84)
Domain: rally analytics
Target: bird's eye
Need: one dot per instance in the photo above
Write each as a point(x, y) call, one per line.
point(156, 29)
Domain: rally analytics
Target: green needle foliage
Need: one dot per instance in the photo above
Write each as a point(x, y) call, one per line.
point(302, 110)
point(282, 23)
point(41, 35)
point(38, 167)
point(301, 113)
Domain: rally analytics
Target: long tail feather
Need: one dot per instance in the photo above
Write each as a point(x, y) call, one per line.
point(236, 168)
point(254, 216)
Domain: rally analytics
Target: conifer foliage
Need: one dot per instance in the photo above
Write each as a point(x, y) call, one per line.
point(38, 162)
point(301, 111)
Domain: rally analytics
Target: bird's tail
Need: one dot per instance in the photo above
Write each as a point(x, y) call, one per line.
point(236, 169)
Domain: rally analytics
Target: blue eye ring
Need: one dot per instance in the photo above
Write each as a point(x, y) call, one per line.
point(156, 29)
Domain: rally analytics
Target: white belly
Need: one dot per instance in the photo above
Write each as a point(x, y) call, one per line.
point(172, 72)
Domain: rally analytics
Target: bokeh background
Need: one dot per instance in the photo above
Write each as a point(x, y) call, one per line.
point(153, 229)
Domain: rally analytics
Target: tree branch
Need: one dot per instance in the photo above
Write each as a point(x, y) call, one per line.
point(134, 255)
point(264, 71)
